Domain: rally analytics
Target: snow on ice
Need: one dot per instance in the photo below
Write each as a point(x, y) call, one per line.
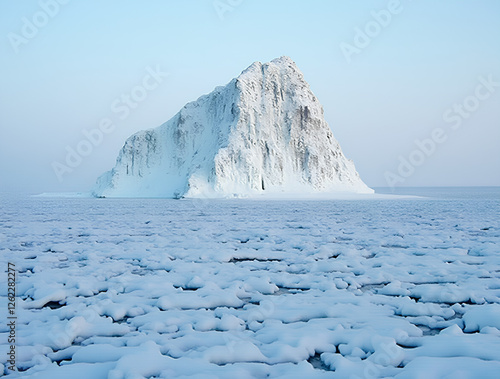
point(143, 288)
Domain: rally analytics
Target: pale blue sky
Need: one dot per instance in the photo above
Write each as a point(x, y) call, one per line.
point(396, 90)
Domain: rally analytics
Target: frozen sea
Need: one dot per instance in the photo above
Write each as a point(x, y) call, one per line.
point(151, 288)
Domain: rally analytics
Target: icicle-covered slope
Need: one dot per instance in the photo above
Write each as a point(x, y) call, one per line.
point(263, 132)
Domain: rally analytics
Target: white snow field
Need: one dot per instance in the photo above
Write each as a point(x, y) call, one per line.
point(155, 288)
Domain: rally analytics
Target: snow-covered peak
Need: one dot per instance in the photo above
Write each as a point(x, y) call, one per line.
point(263, 132)
point(253, 70)
point(284, 60)
point(283, 66)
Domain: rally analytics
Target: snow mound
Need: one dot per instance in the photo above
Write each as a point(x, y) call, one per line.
point(264, 132)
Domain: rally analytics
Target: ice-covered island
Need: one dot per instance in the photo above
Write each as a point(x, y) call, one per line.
point(404, 287)
point(264, 132)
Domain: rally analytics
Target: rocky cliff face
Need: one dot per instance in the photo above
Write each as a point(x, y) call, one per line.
point(263, 132)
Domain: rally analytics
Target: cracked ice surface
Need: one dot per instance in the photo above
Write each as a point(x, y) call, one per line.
point(253, 289)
